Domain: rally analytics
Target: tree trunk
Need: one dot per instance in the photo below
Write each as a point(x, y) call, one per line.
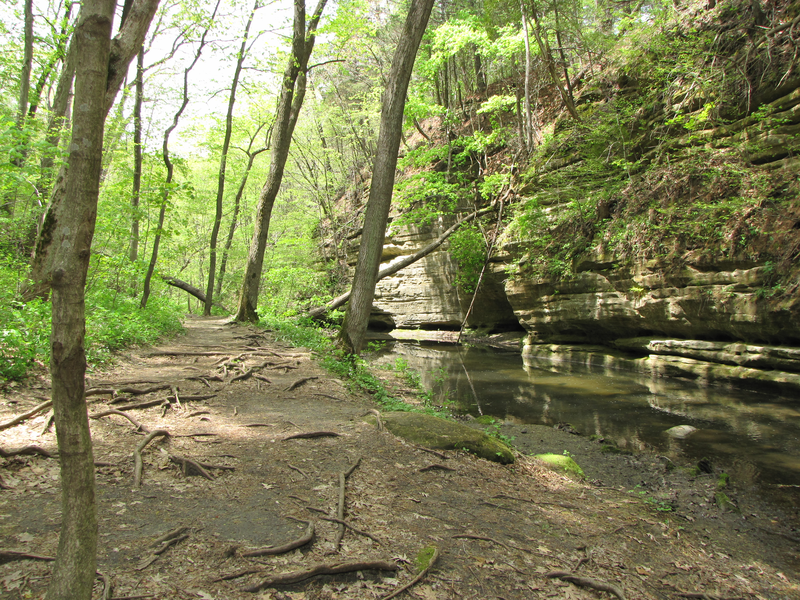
point(170, 167)
point(394, 267)
point(289, 105)
point(351, 336)
point(72, 228)
point(223, 161)
point(528, 121)
point(124, 47)
point(133, 249)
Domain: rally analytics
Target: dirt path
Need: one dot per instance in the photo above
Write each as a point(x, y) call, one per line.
point(524, 521)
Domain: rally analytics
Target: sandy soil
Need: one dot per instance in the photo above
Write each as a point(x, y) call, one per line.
point(501, 532)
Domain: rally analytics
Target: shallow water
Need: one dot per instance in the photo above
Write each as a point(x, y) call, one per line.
point(753, 435)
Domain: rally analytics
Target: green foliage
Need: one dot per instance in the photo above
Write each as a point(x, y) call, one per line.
point(468, 249)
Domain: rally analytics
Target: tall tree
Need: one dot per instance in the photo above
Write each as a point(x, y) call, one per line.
point(76, 561)
point(223, 161)
point(351, 336)
point(290, 102)
point(133, 248)
point(124, 47)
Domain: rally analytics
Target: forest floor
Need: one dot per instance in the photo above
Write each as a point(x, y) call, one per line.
point(510, 532)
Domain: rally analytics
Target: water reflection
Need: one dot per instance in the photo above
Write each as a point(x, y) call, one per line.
point(759, 431)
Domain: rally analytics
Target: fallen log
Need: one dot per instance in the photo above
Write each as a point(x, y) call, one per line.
point(189, 289)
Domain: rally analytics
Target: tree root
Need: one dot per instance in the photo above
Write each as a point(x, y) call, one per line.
point(416, 579)
point(469, 536)
point(437, 468)
point(600, 586)
point(311, 434)
point(352, 528)
point(304, 539)
point(190, 466)
point(12, 555)
point(299, 382)
point(26, 416)
point(114, 411)
point(27, 450)
point(340, 507)
point(137, 455)
point(322, 569)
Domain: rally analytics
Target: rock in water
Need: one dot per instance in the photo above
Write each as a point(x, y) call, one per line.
point(681, 431)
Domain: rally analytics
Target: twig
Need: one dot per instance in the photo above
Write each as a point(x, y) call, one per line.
point(434, 452)
point(322, 569)
point(188, 465)
point(27, 415)
point(293, 468)
point(300, 382)
point(311, 434)
point(137, 455)
point(27, 450)
point(170, 535)
point(351, 527)
point(469, 536)
point(262, 378)
point(114, 411)
point(307, 536)
point(416, 579)
point(169, 543)
point(600, 586)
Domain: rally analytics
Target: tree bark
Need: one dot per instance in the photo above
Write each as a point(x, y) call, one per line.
point(351, 336)
point(223, 161)
point(133, 248)
point(73, 228)
point(124, 47)
point(528, 121)
point(394, 267)
point(289, 105)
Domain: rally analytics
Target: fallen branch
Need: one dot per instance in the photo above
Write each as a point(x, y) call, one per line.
point(137, 454)
point(26, 416)
point(114, 411)
point(299, 470)
point(26, 450)
point(311, 434)
point(307, 536)
point(416, 579)
point(587, 582)
point(189, 289)
point(12, 555)
point(169, 543)
point(170, 535)
point(437, 468)
point(322, 569)
point(300, 382)
point(352, 528)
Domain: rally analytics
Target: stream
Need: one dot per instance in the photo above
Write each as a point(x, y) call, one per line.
point(754, 435)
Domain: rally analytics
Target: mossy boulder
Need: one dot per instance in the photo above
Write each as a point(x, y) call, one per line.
point(441, 434)
point(562, 464)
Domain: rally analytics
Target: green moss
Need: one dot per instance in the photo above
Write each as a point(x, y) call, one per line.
point(725, 503)
point(485, 420)
point(424, 557)
point(722, 481)
point(560, 462)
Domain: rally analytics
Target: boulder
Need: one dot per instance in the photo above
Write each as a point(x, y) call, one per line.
point(441, 434)
point(680, 431)
point(561, 463)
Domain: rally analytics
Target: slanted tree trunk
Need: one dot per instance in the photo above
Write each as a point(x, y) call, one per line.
point(526, 101)
point(124, 47)
point(162, 213)
point(351, 336)
point(72, 230)
point(289, 105)
point(223, 161)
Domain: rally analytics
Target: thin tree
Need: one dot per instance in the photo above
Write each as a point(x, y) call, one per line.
point(133, 248)
point(76, 562)
point(290, 102)
point(162, 213)
point(223, 161)
point(351, 336)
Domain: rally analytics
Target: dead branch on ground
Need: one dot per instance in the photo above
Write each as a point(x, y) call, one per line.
point(594, 584)
point(352, 528)
point(304, 539)
point(189, 466)
point(437, 468)
point(299, 470)
point(311, 434)
point(26, 416)
point(322, 569)
point(26, 450)
point(114, 411)
point(137, 455)
point(416, 579)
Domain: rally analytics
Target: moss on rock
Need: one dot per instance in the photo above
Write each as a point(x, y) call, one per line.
point(562, 463)
point(440, 434)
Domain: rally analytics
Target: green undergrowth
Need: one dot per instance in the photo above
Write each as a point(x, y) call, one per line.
point(352, 369)
point(113, 321)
